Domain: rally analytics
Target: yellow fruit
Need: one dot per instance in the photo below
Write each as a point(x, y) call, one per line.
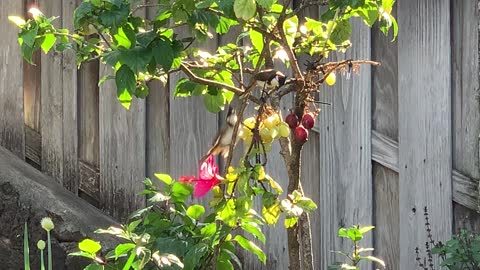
point(283, 130)
point(266, 135)
point(245, 133)
point(275, 132)
point(249, 122)
point(272, 121)
point(331, 79)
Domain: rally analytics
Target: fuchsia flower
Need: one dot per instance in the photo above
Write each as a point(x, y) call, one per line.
point(208, 178)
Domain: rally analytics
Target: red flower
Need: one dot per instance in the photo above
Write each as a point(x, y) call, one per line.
point(208, 178)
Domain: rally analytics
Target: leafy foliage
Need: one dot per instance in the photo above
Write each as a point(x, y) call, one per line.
point(171, 234)
point(355, 234)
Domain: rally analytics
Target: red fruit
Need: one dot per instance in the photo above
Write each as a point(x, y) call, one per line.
point(308, 120)
point(292, 120)
point(301, 134)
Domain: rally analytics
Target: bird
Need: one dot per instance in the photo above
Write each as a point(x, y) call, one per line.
point(270, 79)
point(223, 139)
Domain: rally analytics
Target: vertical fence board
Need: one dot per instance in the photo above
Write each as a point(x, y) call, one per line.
point(385, 120)
point(158, 124)
point(345, 163)
point(424, 124)
point(88, 113)
point(70, 107)
point(122, 151)
point(12, 134)
point(51, 118)
point(465, 103)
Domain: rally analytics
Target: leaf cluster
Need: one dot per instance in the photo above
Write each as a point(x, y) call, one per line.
point(173, 234)
point(355, 234)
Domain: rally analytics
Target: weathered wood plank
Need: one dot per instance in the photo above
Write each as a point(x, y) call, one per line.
point(465, 105)
point(88, 115)
point(11, 82)
point(158, 124)
point(465, 189)
point(385, 150)
point(345, 163)
point(424, 124)
point(70, 106)
point(33, 145)
point(89, 180)
point(51, 119)
point(385, 119)
point(122, 151)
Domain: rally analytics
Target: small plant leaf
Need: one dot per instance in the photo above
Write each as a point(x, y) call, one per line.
point(89, 246)
point(250, 246)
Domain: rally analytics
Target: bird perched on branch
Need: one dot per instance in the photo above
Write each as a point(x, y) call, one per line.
point(270, 79)
point(223, 140)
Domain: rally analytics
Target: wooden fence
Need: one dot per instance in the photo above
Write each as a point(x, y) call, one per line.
point(395, 139)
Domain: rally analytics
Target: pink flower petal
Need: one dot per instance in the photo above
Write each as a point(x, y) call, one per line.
point(203, 187)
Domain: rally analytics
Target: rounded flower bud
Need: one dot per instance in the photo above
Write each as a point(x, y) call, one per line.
point(47, 224)
point(41, 244)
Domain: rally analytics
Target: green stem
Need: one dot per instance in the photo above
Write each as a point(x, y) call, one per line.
point(26, 253)
point(42, 263)
point(49, 247)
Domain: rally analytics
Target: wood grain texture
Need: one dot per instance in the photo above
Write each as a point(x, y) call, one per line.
point(465, 100)
point(158, 124)
point(122, 151)
point(11, 77)
point(70, 106)
point(88, 115)
point(424, 124)
point(345, 163)
point(385, 120)
point(51, 119)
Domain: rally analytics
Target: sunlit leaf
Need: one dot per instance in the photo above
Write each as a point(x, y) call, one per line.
point(252, 247)
point(245, 9)
point(89, 246)
point(195, 211)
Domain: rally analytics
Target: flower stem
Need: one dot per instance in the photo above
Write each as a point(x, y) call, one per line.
point(42, 263)
point(49, 247)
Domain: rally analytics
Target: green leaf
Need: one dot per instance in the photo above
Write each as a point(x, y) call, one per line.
point(245, 9)
point(167, 179)
point(129, 262)
point(366, 229)
point(226, 6)
point(254, 229)
point(194, 255)
point(266, 4)
point(137, 58)
point(224, 25)
point(341, 33)
point(257, 40)
point(373, 259)
point(89, 246)
point(195, 211)
point(290, 222)
point(133, 225)
point(224, 264)
point(272, 213)
point(180, 191)
point(209, 230)
point(114, 17)
point(250, 246)
point(94, 267)
point(28, 36)
point(81, 12)
point(228, 213)
point(18, 21)
point(125, 37)
point(186, 88)
point(82, 254)
point(123, 249)
point(125, 81)
point(48, 42)
point(214, 104)
point(290, 27)
point(306, 204)
point(164, 54)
